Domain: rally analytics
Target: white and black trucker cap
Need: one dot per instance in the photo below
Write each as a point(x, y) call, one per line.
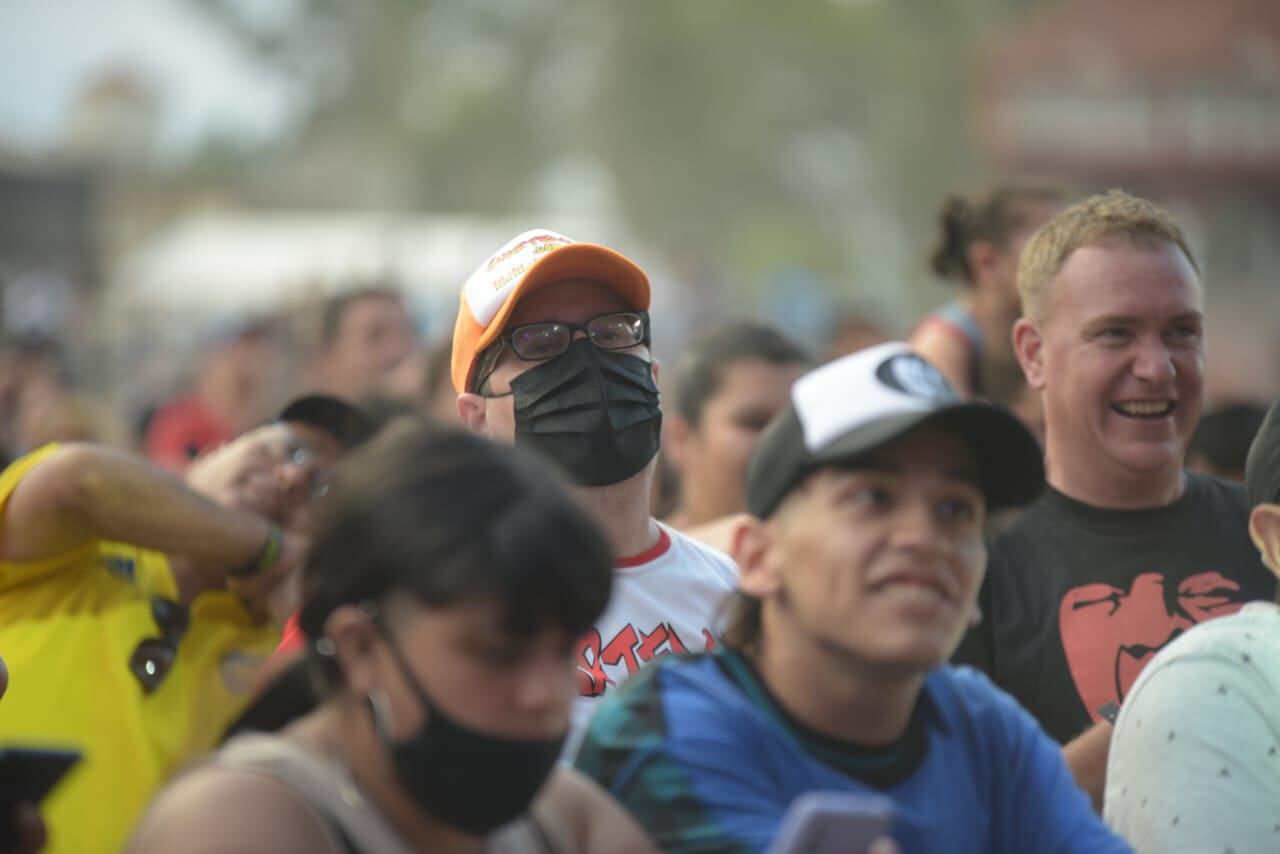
point(857, 403)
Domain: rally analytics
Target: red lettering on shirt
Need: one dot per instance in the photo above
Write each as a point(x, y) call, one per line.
point(623, 647)
point(629, 648)
point(592, 680)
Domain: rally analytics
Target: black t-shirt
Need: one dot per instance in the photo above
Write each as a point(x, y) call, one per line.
point(1077, 599)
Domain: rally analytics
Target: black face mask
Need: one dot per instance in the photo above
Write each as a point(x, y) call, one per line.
point(472, 781)
point(593, 412)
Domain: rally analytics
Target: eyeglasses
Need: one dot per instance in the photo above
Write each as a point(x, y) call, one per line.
point(154, 657)
point(303, 456)
point(535, 342)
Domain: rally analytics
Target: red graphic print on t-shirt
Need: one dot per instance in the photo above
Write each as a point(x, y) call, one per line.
point(1109, 634)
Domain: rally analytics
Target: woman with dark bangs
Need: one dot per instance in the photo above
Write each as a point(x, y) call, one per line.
point(447, 585)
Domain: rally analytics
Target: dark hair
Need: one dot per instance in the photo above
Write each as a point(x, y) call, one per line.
point(1225, 433)
point(993, 217)
point(335, 307)
point(446, 517)
point(701, 369)
point(383, 409)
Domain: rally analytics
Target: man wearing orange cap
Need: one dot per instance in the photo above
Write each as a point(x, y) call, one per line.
point(551, 352)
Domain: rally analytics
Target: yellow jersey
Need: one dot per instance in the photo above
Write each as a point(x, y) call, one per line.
point(73, 631)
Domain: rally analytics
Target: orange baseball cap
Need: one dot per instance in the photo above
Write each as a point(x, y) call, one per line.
point(524, 264)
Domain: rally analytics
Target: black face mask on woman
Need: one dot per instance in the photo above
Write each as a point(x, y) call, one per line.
point(593, 412)
point(471, 780)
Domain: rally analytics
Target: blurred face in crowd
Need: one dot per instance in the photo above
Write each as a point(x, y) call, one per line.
point(995, 279)
point(1003, 269)
point(469, 661)
point(372, 339)
point(878, 563)
point(712, 455)
point(237, 377)
point(1119, 358)
point(492, 413)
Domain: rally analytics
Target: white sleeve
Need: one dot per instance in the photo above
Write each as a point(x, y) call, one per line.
point(1195, 757)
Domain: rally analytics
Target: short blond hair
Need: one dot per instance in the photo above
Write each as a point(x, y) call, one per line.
point(1110, 218)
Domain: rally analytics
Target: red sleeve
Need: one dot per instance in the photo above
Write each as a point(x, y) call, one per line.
point(292, 639)
point(180, 430)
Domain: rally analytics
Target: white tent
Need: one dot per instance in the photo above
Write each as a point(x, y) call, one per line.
point(248, 262)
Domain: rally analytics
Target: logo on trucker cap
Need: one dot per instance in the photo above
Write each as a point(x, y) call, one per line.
point(912, 375)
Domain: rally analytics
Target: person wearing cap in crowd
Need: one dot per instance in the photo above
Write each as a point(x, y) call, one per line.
point(860, 566)
point(730, 382)
point(551, 353)
point(1195, 757)
point(134, 608)
point(1125, 550)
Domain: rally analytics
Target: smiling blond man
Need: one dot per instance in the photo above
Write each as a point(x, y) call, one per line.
point(1125, 550)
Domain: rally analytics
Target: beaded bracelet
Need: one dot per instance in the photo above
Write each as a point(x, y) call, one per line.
point(269, 554)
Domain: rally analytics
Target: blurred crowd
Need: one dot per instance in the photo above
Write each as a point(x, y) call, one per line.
point(1006, 585)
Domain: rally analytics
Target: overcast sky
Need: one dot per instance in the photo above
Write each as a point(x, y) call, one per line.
point(50, 49)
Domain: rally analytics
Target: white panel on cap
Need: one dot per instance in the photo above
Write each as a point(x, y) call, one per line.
point(846, 394)
point(490, 285)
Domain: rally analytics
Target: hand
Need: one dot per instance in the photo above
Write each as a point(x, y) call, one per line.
point(242, 473)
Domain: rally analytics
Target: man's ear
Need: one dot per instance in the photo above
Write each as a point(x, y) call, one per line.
point(750, 545)
point(1264, 530)
point(1028, 345)
point(472, 412)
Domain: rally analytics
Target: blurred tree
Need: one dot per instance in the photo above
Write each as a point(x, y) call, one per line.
point(762, 134)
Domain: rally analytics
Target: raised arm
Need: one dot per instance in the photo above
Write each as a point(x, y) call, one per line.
point(79, 492)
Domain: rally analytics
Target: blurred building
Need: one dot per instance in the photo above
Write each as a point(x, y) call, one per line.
point(1178, 100)
point(1176, 93)
point(46, 236)
point(115, 120)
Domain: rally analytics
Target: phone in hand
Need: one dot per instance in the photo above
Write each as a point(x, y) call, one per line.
point(833, 823)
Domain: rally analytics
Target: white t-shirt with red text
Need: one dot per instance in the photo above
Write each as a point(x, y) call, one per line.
point(666, 600)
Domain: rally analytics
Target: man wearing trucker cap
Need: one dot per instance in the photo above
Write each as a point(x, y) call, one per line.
point(551, 352)
point(860, 569)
